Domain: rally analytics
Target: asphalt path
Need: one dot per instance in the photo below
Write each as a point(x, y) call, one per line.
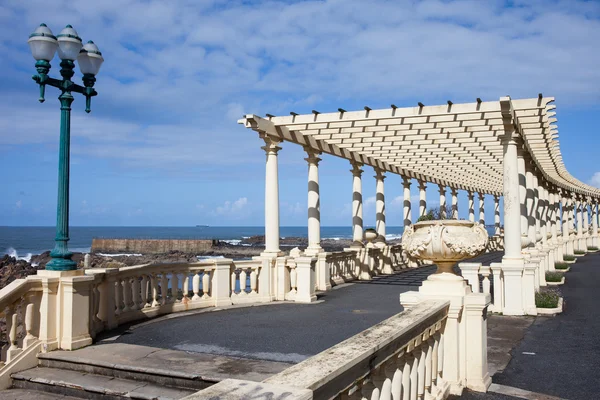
point(560, 356)
point(286, 332)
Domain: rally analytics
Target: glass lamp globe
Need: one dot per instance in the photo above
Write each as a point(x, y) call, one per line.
point(69, 44)
point(42, 43)
point(90, 59)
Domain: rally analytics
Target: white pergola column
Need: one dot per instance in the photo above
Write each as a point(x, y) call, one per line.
point(406, 204)
point(422, 198)
point(531, 208)
point(579, 211)
point(496, 214)
point(271, 149)
point(471, 197)
point(512, 262)
point(537, 204)
point(523, 195)
point(569, 227)
point(595, 223)
point(442, 189)
point(556, 242)
point(481, 208)
point(357, 205)
point(564, 226)
point(548, 244)
point(454, 192)
point(586, 224)
point(314, 203)
point(380, 204)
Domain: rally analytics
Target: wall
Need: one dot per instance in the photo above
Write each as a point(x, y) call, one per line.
point(150, 246)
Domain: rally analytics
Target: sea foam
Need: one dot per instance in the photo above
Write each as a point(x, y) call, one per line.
point(13, 253)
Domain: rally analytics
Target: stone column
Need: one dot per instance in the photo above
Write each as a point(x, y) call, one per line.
point(271, 149)
point(531, 206)
point(454, 192)
point(537, 204)
point(380, 204)
point(482, 208)
point(406, 201)
point(595, 223)
point(579, 211)
point(543, 201)
point(314, 203)
point(496, 214)
point(586, 224)
point(512, 262)
point(568, 225)
point(471, 197)
point(422, 198)
point(523, 195)
point(442, 189)
point(357, 205)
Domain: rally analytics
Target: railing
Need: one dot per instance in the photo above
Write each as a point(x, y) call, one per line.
point(20, 321)
point(342, 267)
point(486, 280)
point(244, 281)
point(399, 358)
point(495, 243)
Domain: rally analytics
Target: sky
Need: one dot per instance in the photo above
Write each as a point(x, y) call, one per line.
point(162, 146)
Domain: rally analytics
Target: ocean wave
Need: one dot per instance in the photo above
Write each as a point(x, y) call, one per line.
point(233, 242)
point(120, 255)
point(13, 253)
point(208, 257)
point(393, 236)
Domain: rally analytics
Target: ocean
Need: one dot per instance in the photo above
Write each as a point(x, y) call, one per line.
point(22, 242)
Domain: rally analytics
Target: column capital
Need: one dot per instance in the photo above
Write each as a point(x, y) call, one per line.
point(356, 169)
point(496, 198)
point(406, 182)
point(454, 191)
point(422, 185)
point(312, 155)
point(470, 194)
point(379, 173)
point(481, 196)
point(271, 146)
point(442, 189)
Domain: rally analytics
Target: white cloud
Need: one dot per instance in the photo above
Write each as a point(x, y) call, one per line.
point(595, 180)
point(232, 208)
point(19, 204)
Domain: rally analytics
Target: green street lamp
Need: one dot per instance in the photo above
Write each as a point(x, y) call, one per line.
point(43, 45)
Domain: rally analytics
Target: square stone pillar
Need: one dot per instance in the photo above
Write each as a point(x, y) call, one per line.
point(305, 267)
point(75, 312)
point(323, 274)
point(221, 282)
point(475, 314)
point(529, 288)
point(269, 278)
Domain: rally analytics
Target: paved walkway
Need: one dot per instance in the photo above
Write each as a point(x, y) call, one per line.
point(560, 356)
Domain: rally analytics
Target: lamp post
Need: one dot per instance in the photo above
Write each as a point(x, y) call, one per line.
point(43, 45)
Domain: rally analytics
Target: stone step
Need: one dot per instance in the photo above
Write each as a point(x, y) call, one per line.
point(173, 368)
point(25, 394)
point(91, 386)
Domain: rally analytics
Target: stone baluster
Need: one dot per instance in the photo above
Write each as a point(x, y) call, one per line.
point(175, 286)
point(485, 272)
point(253, 281)
point(135, 294)
point(154, 284)
point(29, 325)
point(118, 296)
point(206, 284)
point(293, 279)
point(243, 280)
point(406, 376)
point(395, 370)
point(434, 361)
point(185, 288)
point(196, 286)
point(144, 291)
point(126, 294)
point(164, 287)
point(440, 358)
point(414, 375)
point(428, 344)
point(13, 349)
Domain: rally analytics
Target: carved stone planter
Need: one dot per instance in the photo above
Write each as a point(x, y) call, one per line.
point(445, 242)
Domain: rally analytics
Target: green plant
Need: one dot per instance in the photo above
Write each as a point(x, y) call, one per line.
point(435, 214)
point(579, 251)
point(554, 276)
point(561, 265)
point(547, 298)
point(592, 248)
point(568, 257)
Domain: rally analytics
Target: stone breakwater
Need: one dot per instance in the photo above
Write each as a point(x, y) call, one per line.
point(151, 246)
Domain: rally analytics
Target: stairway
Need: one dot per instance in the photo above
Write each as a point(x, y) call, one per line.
point(117, 371)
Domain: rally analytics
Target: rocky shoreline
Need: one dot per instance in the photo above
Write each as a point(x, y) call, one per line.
point(11, 268)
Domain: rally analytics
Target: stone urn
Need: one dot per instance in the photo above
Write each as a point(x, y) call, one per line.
point(370, 235)
point(445, 242)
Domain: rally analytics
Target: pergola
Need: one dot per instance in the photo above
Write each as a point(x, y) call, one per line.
point(502, 148)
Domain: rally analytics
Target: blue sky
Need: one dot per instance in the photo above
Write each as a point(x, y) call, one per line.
point(162, 146)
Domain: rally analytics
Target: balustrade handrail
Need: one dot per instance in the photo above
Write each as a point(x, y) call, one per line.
point(16, 290)
point(337, 369)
